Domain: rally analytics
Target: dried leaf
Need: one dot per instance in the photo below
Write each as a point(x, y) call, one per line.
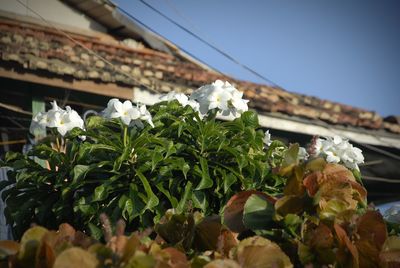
point(30, 244)
point(222, 264)
point(8, 247)
point(206, 233)
point(176, 258)
point(226, 241)
point(345, 243)
point(259, 252)
point(75, 257)
point(371, 226)
point(290, 204)
point(46, 256)
point(390, 254)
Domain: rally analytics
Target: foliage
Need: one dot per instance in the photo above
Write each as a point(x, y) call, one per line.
point(214, 193)
point(322, 218)
point(137, 173)
point(70, 248)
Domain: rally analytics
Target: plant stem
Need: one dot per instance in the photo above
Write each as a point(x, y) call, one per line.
point(58, 144)
point(125, 135)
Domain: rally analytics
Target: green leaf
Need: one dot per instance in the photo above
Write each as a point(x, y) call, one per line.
point(206, 181)
point(229, 180)
point(156, 158)
point(128, 209)
point(250, 119)
point(79, 172)
point(258, 212)
point(100, 193)
point(199, 199)
point(186, 196)
point(95, 231)
point(171, 199)
point(152, 199)
point(290, 160)
point(94, 121)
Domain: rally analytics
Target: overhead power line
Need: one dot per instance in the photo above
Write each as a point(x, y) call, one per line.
point(157, 33)
point(214, 47)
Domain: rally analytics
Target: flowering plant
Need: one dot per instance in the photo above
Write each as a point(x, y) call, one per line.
point(137, 163)
point(203, 184)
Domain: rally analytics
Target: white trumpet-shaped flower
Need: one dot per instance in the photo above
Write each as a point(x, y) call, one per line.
point(62, 120)
point(129, 114)
point(339, 150)
point(221, 96)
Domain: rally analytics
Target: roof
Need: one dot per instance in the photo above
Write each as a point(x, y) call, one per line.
point(36, 49)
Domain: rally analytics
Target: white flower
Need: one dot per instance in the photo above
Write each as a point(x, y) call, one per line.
point(302, 154)
point(63, 120)
point(128, 114)
point(222, 96)
point(145, 115)
point(180, 97)
point(332, 157)
point(39, 122)
point(110, 108)
point(66, 120)
point(339, 150)
point(125, 111)
point(267, 138)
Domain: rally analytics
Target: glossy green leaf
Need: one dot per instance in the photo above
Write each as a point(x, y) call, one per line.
point(257, 213)
point(205, 181)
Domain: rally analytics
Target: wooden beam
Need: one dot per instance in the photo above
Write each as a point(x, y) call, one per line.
point(110, 89)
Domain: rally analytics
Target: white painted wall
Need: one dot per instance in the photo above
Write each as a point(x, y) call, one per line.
point(52, 10)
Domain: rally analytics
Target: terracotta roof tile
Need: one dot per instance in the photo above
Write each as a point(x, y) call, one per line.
point(35, 48)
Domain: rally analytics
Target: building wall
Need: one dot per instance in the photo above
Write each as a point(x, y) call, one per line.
point(52, 10)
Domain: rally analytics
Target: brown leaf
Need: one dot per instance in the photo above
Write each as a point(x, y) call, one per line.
point(226, 241)
point(321, 237)
point(207, 233)
point(131, 246)
point(75, 257)
point(226, 263)
point(233, 211)
point(371, 226)
point(259, 252)
point(368, 254)
point(311, 182)
point(8, 247)
point(30, 244)
point(390, 254)
point(289, 204)
point(67, 232)
point(46, 256)
point(294, 185)
point(345, 243)
point(117, 244)
point(176, 258)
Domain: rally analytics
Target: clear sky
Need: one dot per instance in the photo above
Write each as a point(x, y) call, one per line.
point(346, 51)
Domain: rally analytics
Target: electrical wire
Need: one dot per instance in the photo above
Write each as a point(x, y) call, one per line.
point(380, 179)
point(214, 47)
point(189, 32)
point(179, 47)
point(86, 48)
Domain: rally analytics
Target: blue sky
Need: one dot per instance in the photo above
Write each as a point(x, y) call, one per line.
point(344, 51)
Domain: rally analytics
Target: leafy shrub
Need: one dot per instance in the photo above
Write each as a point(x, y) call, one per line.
point(137, 173)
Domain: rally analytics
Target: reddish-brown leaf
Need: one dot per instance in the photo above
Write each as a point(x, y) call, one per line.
point(344, 242)
point(233, 212)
